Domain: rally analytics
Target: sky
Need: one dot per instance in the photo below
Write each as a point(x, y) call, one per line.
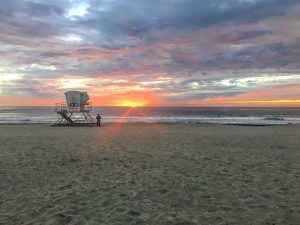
point(158, 52)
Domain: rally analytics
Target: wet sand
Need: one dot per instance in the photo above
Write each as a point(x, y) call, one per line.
point(149, 174)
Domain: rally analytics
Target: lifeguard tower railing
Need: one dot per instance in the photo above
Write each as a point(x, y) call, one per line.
point(63, 107)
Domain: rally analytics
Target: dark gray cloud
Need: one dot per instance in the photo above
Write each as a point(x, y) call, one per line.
point(21, 20)
point(37, 9)
point(140, 18)
point(275, 55)
point(244, 35)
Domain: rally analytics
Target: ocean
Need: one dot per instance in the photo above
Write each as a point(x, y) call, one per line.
point(199, 115)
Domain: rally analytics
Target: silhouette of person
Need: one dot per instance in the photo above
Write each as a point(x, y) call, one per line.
point(98, 120)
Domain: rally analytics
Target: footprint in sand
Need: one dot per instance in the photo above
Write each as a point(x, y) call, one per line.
point(106, 203)
point(66, 187)
point(133, 213)
point(120, 210)
point(185, 223)
point(62, 219)
point(163, 191)
point(122, 195)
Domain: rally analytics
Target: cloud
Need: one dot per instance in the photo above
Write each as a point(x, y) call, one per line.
point(275, 55)
point(245, 35)
point(40, 10)
point(205, 47)
point(140, 18)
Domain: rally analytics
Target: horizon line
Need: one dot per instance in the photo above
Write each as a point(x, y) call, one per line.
point(153, 106)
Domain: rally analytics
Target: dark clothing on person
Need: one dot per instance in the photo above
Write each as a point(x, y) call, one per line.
point(98, 120)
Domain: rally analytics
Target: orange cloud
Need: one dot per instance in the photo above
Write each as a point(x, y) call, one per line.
point(22, 101)
point(136, 98)
point(97, 53)
point(281, 96)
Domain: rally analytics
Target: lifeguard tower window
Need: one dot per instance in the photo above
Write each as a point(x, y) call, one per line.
point(76, 110)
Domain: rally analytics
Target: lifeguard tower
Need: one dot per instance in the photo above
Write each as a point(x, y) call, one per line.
point(75, 111)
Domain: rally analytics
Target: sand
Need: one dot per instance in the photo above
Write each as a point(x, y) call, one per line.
point(149, 174)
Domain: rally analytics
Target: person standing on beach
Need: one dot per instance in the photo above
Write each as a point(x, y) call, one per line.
point(98, 120)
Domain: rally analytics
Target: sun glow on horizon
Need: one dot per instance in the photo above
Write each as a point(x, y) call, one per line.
point(131, 99)
point(132, 104)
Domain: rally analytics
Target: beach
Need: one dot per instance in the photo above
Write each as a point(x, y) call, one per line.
point(181, 174)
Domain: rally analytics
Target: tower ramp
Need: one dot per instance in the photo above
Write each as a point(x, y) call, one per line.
point(66, 117)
